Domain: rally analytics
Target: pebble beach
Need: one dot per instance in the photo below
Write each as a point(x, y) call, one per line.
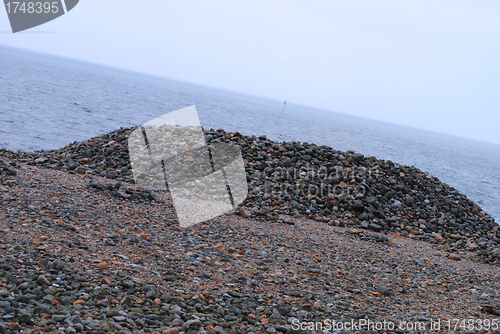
point(84, 249)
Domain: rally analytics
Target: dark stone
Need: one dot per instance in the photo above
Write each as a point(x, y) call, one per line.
point(358, 205)
point(375, 227)
point(58, 264)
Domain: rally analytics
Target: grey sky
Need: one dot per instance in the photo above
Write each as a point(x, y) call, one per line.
point(428, 64)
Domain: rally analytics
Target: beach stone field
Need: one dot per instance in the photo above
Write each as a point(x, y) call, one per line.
point(323, 236)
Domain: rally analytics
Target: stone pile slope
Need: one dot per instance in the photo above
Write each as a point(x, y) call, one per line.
point(318, 182)
point(74, 260)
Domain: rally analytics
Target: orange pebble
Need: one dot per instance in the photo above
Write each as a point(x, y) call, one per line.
point(79, 302)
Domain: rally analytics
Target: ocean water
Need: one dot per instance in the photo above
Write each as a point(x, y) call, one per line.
point(47, 102)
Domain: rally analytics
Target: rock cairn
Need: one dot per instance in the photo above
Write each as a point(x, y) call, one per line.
point(301, 179)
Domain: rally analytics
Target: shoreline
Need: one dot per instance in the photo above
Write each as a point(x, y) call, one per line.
point(302, 179)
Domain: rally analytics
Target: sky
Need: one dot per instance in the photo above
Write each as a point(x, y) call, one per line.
point(433, 65)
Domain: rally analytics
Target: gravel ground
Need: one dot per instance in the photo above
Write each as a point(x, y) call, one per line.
point(74, 258)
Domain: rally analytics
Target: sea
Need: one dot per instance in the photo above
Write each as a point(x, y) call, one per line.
point(48, 102)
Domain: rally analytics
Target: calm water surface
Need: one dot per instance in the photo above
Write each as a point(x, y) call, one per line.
point(48, 102)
